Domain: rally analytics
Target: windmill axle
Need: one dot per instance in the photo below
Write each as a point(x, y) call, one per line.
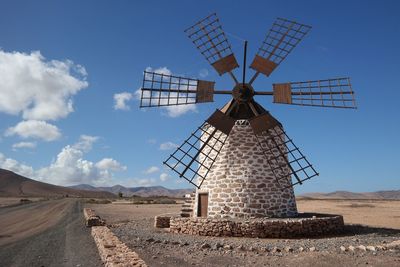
point(243, 92)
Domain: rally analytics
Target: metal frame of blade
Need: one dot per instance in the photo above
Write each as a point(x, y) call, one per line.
point(160, 89)
point(335, 93)
point(281, 39)
point(283, 157)
point(209, 38)
point(195, 157)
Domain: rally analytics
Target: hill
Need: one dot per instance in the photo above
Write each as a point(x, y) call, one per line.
point(14, 185)
point(139, 191)
point(390, 194)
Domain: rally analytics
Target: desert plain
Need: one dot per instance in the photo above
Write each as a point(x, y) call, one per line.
point(371, 223)
point(28, 229)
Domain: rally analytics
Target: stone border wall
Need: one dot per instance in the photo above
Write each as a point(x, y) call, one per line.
point(92, 219)
point(112, 251)
point(309, 225)
point(163, 221)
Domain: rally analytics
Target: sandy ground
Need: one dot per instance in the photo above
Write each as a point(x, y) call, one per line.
point(133, 224)
point(120, 213)
point(378, 213)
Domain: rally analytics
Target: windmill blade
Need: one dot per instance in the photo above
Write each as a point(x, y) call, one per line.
point(209, 38)
point(166, 90)
point(336, 93)
point(195, 157)
point(284, 158)
point(281, 39)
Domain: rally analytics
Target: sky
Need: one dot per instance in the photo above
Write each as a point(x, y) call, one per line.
point(70, 72)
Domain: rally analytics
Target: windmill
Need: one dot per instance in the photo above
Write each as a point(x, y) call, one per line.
point(241, 160)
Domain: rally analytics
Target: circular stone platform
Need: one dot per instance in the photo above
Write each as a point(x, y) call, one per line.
point(305, 225)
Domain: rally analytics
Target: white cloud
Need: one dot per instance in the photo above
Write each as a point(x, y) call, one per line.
point(152, 169)
point(35, 129)
point(69, 167)
point(24, 145)
point(110, 164)
point(168, 146)
point(177, 111)
point(164, 176)
point(152, 141)
point(171, 111)
point(36, 88)
point(15, 166)
point(161, 70)
point(120, 100)
point(203, 73)
point(85, 142)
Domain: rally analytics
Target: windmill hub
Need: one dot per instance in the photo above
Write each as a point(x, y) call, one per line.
point(243, 92)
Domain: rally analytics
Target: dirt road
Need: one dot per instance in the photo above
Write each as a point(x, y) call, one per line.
point(48, 233)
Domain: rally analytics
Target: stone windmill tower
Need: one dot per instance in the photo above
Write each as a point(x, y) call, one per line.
point(240, 159)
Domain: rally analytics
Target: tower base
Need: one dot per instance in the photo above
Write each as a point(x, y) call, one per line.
point(240, 183)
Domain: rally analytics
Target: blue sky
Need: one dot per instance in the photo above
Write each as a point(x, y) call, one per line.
point(100, 48)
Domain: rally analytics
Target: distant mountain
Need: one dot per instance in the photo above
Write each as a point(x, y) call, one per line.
point(85, 187)
point(139, 191)
point(14, 185)
point(390, 194)
point(162, 191)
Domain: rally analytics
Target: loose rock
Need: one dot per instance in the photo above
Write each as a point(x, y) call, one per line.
point(228, 247)
point(205, 246)
point(276, 249)
point(288, 249)
point(362, 248)
point(371, 248)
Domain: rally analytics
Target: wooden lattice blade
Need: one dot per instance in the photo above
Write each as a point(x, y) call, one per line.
point(167, 90)
point(286, 161)
point(195, 157)
point(281, 39)
point(335, 93)
point(209, 38)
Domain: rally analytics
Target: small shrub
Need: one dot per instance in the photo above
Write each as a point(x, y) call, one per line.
point(358, 205)
point(98, 201)
point(164, 201)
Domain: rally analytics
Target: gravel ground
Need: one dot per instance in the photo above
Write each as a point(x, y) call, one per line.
point(157, 247)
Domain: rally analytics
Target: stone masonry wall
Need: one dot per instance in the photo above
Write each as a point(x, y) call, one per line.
point(162, 221)
point(263, 228)
point(241, 184)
